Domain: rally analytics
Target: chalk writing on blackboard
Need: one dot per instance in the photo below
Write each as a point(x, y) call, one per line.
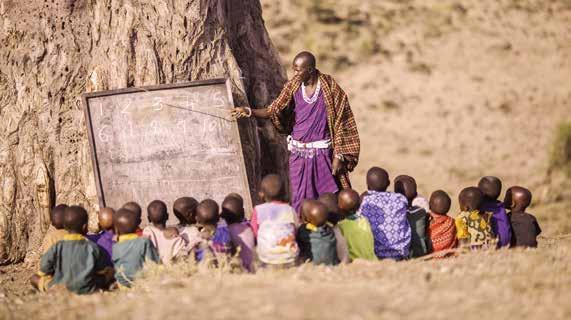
point(164, 142)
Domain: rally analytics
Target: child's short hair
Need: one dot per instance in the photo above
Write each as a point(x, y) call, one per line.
point(490, 186)
point(232, 210)
point(207, 212)
point(378, 179)
point(75, 219)
point(521, 198)
point(406, 185)
point(135, 208)
point(105, 218)
point(329, 199)
point(314, 212)
point(440, 202)
point(185, 210)
point(125, 221)
point(236, 196)
point(272, 188)
point(157, 212)
point(349, 201)
point(56, 216)
point(470, 199)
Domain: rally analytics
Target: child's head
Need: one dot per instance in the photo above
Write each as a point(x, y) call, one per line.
point(491, 187)
point(315, 212)
point(185, 210)
point(439, 202)
point(519, 198)
point(329, 199)
point(406, 185)
point(470, 199)
point(272, 188)
point(75, 220)
point(237, 196)
point(157, 213)
point(232, 210)
point(105, 218)
point(348, 202)
point(57, 216)
point(378, 179)
point(125, 221)
point(207, 213)
point(136, 209)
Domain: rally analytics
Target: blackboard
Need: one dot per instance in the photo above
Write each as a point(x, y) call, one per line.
point(164, 142)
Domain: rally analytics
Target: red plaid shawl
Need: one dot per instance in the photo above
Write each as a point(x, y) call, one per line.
point(442, 232)
point(340, 119)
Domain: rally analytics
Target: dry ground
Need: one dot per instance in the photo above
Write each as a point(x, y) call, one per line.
point(514, 284)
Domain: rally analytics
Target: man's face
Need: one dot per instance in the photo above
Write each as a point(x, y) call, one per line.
point(301, 70)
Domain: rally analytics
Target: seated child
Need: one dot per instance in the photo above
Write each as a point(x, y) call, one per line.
point(56, 233)
point(185, 211)
point(274, 223)
point(330, 199)
point(241, 233)
point(473, 226)
point(355, 229)
point(169, 248)
point(387, 214)
point(421, 202)
point(136, 209)
point(417, 216)
point(74, 262)
point(130, 252)
point(441, 228)
point(216, 238)
point(333, 217)
point(104, 239)
point(525, 227)
point(491, 187)
point(315, 238)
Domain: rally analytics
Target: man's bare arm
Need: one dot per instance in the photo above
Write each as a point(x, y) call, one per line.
point(244, 112)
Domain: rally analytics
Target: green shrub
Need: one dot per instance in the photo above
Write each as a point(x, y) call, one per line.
point(560, 157)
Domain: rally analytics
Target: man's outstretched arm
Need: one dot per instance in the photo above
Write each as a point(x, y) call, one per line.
point(247, 112)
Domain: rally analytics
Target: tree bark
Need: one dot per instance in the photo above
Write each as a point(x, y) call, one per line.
point(53, 51)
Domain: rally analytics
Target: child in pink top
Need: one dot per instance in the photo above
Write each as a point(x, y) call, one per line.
point(166, 240)
point(274, 224)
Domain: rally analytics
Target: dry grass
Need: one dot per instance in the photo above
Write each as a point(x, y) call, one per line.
point(500, 285)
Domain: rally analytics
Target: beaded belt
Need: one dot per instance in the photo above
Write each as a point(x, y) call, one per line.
point(306, 149)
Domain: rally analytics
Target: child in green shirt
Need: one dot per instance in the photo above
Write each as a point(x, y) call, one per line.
point(355, 228)
point(131, 252)
point(74, 262)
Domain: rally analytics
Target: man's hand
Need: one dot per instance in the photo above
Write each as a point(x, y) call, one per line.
point(338, 166)
point(239, 112)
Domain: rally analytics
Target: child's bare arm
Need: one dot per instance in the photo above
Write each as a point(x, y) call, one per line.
point(47, 262)
point(170, 232)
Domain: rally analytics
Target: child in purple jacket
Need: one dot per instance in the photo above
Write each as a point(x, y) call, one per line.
point(105, 238)
point(491, 187)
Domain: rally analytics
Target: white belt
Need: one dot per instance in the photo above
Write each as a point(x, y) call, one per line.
point(320, 144)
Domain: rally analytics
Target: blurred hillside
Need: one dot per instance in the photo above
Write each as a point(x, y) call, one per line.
point(447, 91)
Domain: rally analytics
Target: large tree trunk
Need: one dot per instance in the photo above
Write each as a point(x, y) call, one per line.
point(53, 51)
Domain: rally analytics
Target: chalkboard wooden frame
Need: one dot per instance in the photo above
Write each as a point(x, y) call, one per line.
point(248, 203)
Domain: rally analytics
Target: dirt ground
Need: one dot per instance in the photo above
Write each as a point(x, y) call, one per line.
point(446, 91)
point(506, 284)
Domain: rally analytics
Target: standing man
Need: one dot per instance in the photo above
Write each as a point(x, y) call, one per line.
point(323, 141)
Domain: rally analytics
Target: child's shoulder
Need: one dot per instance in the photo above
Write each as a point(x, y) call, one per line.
point(398, 196)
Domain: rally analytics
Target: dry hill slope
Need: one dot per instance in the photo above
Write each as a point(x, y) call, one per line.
point(446, 91)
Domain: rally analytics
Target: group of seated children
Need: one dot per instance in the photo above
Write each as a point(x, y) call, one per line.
point(336, 228)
